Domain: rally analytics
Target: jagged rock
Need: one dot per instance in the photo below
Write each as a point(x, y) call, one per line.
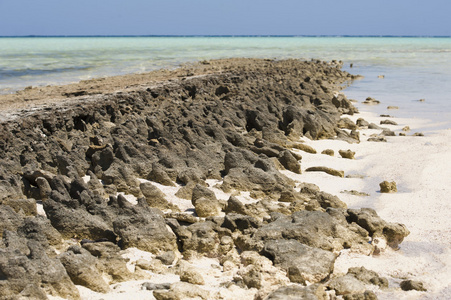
point(109, 261)
point(26, 207)
point(80, 224)
point(327, 170)
point(189, 274)
point(199, 238)
point(408, 285)
point(158, 174)
point(258, 272)
point(303, 147)
point(377, 138)
point(235, 206)
point(200, 192)
point(155, 197)
point(235, 221)
point(295, 292)
point(387, 132)
point(40, 229)
point(368, 219)
point(368, 276)
point(9, 219)
point(374, 126)
point(302, 263)
point(287, 159)
point(347, 154)
point(144, 227)
point(207, 208)
point(329, 152)
point(80, 265)
point(155, 286)
point(388, 187)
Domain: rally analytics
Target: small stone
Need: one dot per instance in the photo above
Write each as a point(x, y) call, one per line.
point(381, 76)
point(388, 187)
point(408, 285)
point(392, 107)
point(418, 134)
point(406, 128)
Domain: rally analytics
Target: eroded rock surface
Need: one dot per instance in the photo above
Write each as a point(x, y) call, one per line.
point(238, 122)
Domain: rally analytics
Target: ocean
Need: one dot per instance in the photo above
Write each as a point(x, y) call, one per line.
point(414, 68)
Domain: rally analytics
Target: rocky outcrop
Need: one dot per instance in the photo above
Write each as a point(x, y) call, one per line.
point(239, 123)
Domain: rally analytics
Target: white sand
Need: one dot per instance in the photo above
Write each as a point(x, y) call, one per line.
point(422, 170)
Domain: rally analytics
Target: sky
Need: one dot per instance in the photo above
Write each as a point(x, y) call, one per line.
point(220, 17)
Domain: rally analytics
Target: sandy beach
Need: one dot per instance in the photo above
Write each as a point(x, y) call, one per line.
point(230, 260)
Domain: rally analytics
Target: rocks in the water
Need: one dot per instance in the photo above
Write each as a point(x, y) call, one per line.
point(409, 285)
point(241, 126)
point(388, 187)
point(329, 152)
point(327, 170)
point(295, 292)
point(347, 154)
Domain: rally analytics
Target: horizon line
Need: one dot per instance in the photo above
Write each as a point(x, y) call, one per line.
point(226, 35)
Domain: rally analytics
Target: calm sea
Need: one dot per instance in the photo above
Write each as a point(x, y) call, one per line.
point(414, 68)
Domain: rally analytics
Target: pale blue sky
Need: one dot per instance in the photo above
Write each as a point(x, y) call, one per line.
point(218, 17)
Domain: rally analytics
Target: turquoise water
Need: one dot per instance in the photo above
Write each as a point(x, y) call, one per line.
point(414, 68)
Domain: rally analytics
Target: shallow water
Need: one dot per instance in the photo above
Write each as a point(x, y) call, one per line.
point(414, 68)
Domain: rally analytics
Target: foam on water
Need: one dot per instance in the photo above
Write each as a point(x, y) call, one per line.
point(414, 68)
